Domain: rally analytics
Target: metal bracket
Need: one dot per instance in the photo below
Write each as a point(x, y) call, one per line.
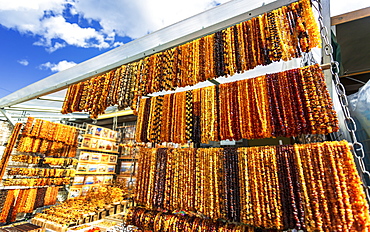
point(213, 81)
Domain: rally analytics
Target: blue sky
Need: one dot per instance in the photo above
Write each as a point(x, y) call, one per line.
point(41, 37)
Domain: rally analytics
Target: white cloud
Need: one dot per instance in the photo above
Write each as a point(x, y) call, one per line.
point(23, 62)
point(117, 44)
point(56, 46)
point(62, 65)
point(26, 16)
point(137, 18)
point(44, 18)
point(71, 33)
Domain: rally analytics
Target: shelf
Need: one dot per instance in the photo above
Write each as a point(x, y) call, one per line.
point(99, 150)
point(96, 162)
point(125, 175)
point(95, 173)
point(99, 137)
point(92, 185)
point(127, 158)
point(27, 187)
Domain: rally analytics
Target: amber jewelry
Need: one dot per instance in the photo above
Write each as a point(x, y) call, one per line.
point(179, 118)
point(254, 30)
point(196, 61)
point(180, 66)
point(182, 118)
point(209, 117)
point(36, 128)
point(51, 195)
point(342, 180)
point(142, 122)
point(203, 47)
point(262, 39)
point(169, 69)
point(219, 61)
point(316, 100)
point(9, 202)
point(209, 65)
point(232, 184)
point(167, 203)
point(229, 51)
point(138, 86)
point(256, 192)
point(293, 216)
point(311, 24)
point(257, 99)
point(154, 124)
point(297, 105)
point(234, 116)
point(324, 188)
point(27, 128)
point(261, 95)
point(189, 115)
point(334, 189)
point(357, 196)
point(68, 100)
point(244, 109)
point(40, 172)
point(139, 122)
point(329, 121)
point(146, 77)
point(196, 116)
point(166, 119)
point(245, 196)
point(249, 50)
point(132, 88)
point(157, 72)
point(30, 201)
point(79, 98)
point(288, 48)
point(311, 98)
point(151, 175)
point(159, 221)
point(264, 189)
point(114, 87)
point(280, 184)
point(189, 65)
point(225, 112)
point(259, 107)
point(104, 97)
point(141, 176)
point(289, 121)
point(159, 185)
point(275, 190)
point(283, 33)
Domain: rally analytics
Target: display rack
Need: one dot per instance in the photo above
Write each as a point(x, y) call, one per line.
point(271, 180)
point(37, 162)
point(97, 160)
point(127, 161)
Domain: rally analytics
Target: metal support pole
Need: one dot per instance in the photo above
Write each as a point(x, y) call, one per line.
point(7, 116)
